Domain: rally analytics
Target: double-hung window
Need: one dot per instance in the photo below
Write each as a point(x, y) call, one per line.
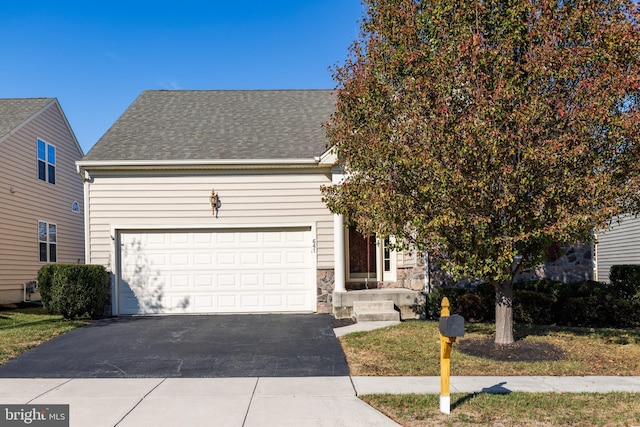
point(48, 241)
point(46, 162)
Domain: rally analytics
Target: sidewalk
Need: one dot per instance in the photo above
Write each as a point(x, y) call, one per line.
point(249, 402)
point(496, 385)
point(220, 402)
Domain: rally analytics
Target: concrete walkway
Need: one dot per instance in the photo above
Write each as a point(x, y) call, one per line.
point(248, 402)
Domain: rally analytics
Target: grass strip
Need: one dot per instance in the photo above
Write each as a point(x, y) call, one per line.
point(512, 409)
point(25, 328)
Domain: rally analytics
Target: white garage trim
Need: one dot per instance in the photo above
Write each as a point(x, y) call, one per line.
point(233, 269)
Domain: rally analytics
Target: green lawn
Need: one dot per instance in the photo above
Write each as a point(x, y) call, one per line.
point(413, 348)
point(513, 409)
point(25, 327)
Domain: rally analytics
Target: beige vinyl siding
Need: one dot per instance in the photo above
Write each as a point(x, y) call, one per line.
point(619, 245)
point(33, 199)
point(170, 199)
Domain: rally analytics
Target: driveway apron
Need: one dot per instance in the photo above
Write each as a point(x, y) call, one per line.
point(251, 345)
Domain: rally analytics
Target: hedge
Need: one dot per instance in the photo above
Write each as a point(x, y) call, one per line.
point(74, 290)
point(545, 302)
point(625, 280)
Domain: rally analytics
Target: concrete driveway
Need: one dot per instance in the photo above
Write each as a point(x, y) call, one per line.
point(252, 345)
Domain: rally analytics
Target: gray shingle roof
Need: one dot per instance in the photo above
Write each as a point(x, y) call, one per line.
point(219, 125)
point(14, 111)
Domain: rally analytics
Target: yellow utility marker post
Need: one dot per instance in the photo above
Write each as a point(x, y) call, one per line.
point(450, 328)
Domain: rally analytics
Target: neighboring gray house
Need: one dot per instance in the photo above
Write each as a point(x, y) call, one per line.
point(41, 196)
point(152, 184)
point(618, 245)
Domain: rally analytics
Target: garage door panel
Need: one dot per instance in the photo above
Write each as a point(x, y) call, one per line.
point(179, 281)
point(227, 302)
point(203, 281)
point(296, 258)
point(273, 301)
point(202, 259)
point(178, 239)
point(249, 238)
point(249, 280)
point(295, 300)
point(203, 302)
point(226, 259)
point(273, 259)
point(249, 259)
point(226, 280)
point(216, 271)
point(296, 237)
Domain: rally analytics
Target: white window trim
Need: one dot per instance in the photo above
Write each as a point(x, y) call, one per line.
point(46, 161)
point(47, 242)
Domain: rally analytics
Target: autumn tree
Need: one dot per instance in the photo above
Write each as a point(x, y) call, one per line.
point(484, 131)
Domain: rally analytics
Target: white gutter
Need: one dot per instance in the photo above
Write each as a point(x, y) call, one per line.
point(91, 164)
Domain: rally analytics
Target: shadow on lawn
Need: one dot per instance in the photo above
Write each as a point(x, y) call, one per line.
point(494, 389)
point(522, 331)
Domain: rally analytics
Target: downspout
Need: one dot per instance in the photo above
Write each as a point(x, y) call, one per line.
point(427, 286)
point(86, 180)
point(366, 280)
point(427, 274)
point(83, 174)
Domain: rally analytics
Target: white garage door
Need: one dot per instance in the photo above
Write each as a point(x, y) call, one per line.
point(221, 271)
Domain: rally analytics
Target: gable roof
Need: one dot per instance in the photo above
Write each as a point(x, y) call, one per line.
point(14, 112)
point(215, 125)
point(17, 112)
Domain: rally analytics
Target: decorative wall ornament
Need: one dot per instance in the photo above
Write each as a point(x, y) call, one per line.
point(214, 199)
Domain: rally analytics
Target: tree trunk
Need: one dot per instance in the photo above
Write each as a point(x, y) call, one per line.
point(504, 313)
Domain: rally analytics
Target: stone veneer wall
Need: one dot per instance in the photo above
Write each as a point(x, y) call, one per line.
point(325, 283)
point(573, 263)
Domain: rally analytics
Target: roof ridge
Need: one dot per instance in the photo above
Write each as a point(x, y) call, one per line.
point(239, 90)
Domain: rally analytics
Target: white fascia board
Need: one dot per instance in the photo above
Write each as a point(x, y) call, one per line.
point(189, 164)
point(329, 157)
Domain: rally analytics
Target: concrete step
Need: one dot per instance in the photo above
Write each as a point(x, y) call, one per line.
point(375, 311)
point(380, 305)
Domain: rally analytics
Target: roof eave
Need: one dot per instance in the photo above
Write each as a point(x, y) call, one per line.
point(198, 164)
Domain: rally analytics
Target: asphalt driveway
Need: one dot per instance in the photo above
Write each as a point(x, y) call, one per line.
point(252, 345)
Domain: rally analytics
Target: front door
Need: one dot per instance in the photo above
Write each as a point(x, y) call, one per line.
point(370, 258)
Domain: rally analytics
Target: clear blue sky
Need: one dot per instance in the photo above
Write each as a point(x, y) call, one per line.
point(97, 56)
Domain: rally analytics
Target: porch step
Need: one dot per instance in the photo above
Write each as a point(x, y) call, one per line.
point(375, 311)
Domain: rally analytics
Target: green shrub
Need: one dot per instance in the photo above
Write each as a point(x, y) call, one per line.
point(545, 286)
point(473, 308)
point(545, 302)
point(625, 280)
point(533, 307)
point(585, 288)
point(74, 290)
point(435, 300)
point(620, 312)
point(579, 311)
point(487, 294)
